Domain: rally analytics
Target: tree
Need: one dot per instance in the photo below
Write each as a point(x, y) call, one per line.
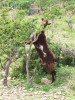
point(70, 9)
point(8, 44)
point(44, 3)
point(52, 12)
point(29, 28)
point(13, 34)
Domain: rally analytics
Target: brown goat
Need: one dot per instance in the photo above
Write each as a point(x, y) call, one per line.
point(46, 55)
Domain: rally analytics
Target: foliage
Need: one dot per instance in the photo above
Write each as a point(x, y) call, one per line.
point(43, 3)
point(35, 66)
point(18, 68)
point(64, 75)
point(12, 33)
point(7, 41)
point(70, 7)
point(69, 55)
point(16, 30)
point(56, 48)
point(52, 12)
point(65, 78)
point(27, 28)
point(20, 4)
point(28, 86)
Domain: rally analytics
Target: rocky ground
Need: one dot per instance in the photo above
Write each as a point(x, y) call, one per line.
point(17, 89)
point(18, 92)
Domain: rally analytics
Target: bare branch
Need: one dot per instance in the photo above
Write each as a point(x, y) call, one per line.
point(25, 50)
point(3, 65)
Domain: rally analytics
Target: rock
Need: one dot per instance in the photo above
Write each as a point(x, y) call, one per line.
point(15, 90)
point(25, 90)
point(56, 97)
point(4, 74)
point(63, 98)
point(59, 93)
point(5, 92)
point(31, 94)
point(41, 92)
point(26, 94)
point(31, 89)
point(43, 98)
point(35, 93)
point(45, 95)
point(9, 78)
point(45, 81)
point(2, 80)
point(14, 78)
point(23, 82)
point(1, 93)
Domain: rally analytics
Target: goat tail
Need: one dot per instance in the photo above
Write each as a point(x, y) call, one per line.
point(57, 59)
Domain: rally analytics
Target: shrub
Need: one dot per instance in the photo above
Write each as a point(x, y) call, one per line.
point(18, 68)
point(70, 7)
point(3, 3)
point(20, 4)
point(68, 55)
point(43, 3)
point(35, 65)
point(56, 48)
point(52, 12)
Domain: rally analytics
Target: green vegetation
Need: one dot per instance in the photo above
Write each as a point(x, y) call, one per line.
point(17, 26)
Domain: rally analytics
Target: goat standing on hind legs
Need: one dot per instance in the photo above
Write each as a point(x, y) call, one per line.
point(46, 55)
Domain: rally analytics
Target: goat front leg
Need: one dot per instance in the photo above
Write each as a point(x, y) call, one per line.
point(27, 42)
point(43, 63)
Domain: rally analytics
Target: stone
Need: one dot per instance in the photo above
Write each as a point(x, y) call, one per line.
point(56, 97)
point(59, 93)
point(35, 93)
point(45, 81)
point(31, 89)
point(31, 94)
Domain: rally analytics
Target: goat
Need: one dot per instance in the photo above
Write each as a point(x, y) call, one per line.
point(46, 55)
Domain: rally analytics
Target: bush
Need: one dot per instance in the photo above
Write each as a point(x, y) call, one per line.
point(70, 7)
point(68, 56)
point(55, 48)
point(3, 3)
point(66, 53)
point(52, 12)
point(43, 3)
point(18, 68)
point(35, 65)
point(20, 4)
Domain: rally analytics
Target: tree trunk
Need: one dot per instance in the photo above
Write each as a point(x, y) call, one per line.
point(52, 21)
point(28, 57)
point(70, 26)
point(27, 63)
point(52, 27)
point(6, 72)
point(3, 65)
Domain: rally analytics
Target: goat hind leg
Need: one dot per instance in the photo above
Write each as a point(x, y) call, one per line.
point(53, 73)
